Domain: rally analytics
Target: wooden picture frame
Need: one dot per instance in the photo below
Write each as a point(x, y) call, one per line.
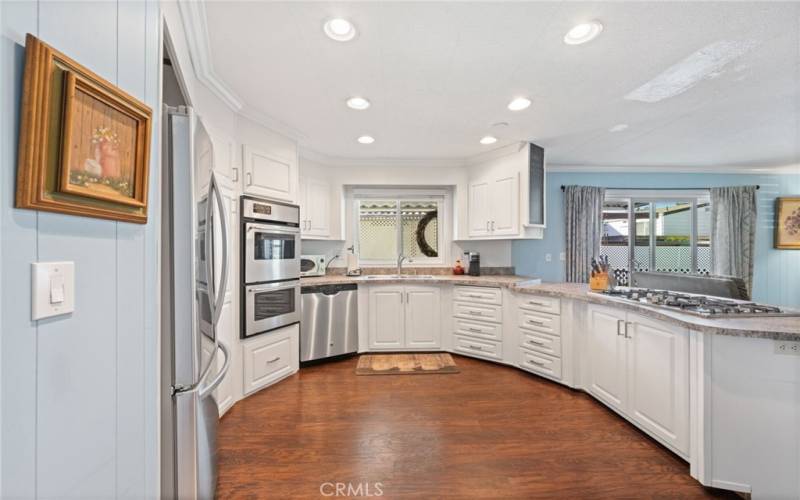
point(787, 223)
point(84, 144)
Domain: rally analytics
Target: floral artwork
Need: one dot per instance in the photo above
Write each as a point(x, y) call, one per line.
point(84, 143)
point(101, 149)
point(788, 223)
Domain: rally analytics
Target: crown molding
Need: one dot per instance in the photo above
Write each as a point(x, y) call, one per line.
point(193, 14)
point(337, 161)
point(271, 123)
point(669, 169)
point(508, 149)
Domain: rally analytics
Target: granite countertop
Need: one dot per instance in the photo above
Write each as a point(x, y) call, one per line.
point(769, 327)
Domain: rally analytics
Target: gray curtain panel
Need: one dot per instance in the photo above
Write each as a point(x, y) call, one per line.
point(733, 232)
point(584, 215)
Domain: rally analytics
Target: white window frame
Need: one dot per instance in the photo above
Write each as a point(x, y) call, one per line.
point(442, 198)
point(694, 197)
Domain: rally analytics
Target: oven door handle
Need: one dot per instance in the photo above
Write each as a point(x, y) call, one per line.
point(272, 229)
point(273, 288)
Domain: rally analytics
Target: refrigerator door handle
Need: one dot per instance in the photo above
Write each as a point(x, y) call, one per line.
point(219, 298)
point(205, 391)
point(211, 288)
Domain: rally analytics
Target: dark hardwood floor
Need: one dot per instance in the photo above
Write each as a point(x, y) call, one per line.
point(488, 432)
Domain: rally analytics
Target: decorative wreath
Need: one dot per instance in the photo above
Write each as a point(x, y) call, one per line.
point(424, 247)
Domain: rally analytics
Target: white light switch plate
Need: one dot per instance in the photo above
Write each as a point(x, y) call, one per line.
point(52, 289)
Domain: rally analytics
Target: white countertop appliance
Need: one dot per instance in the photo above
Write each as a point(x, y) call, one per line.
point(313, 265)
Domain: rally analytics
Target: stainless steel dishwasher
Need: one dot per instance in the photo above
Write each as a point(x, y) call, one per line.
point(329, 324)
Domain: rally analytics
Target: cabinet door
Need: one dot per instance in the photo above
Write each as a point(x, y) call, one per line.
point(423, 324)
point(607, 356)
point(386, 317)
point(504, 204)
point(268, 176)
point(478, 209)
point(302, 200)
point(318, 203)
point(224, 157)
point(658, 379)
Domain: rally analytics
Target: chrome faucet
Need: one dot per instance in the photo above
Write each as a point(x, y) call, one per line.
point(400, 259)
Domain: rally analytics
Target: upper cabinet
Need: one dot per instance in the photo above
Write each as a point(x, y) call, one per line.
point(506, 195)
point(268, 175)
point(494, 206)
point(315, 207)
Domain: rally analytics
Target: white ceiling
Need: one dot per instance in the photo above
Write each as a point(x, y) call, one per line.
point(440, 74)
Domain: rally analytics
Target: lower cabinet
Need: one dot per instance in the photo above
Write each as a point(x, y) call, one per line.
point(270, 357)
point(640, 367)
point(404, 317)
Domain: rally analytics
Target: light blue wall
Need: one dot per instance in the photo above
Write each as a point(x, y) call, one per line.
point(777, 272)
point(79, 391)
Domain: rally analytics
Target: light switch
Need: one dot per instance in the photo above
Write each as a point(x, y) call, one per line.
point(53, 289)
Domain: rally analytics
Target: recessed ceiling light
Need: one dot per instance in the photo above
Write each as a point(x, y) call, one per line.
point(358, 103)
point(583, 33)
point(366, 139)
point(619, 127)
point(489, 139)
point(519, 103)
point(339, 29)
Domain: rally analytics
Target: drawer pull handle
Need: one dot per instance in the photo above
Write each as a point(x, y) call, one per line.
point(476, 313)
point(534, 342)
point(534, 322)
point(276, 358)
point(475, 296)
point(537, 363)
point(536, 303)
point(475, 330)
point(478, 348)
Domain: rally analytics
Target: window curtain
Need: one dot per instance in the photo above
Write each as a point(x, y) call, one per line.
point(733, 232)
point(584, 216)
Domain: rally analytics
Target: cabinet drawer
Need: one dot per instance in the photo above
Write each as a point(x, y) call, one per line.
point(267, 360)
point(540, 322)
point(483, 295)
point(550, 305)
point(474, 347)
point(483, 312)
point(541, 342)
point(540, 363)
point(491, 331)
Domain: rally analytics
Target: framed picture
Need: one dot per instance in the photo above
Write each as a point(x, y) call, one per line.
point(84, 144)
point(787, 225)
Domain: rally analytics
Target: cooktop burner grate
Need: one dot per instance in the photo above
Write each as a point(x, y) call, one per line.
point(699, 305)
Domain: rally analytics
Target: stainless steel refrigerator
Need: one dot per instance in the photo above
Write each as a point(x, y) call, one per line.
point(194, 273)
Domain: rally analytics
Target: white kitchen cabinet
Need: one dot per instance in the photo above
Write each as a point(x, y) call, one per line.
point(504, 206)
point(386, 317)
point(225, 164)
point(479, 209)
point(270, 357)
point(422, 317)
point(404, 317)
point(315, 207)
point(269, 176)
point(607, 356)
point(494, 206)
point(640, 367)
point(658, 379)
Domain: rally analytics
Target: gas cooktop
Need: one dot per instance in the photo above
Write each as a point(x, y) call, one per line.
point(699, 305)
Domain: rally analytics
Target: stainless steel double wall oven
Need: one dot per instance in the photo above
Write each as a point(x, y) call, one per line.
point(270, 265)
